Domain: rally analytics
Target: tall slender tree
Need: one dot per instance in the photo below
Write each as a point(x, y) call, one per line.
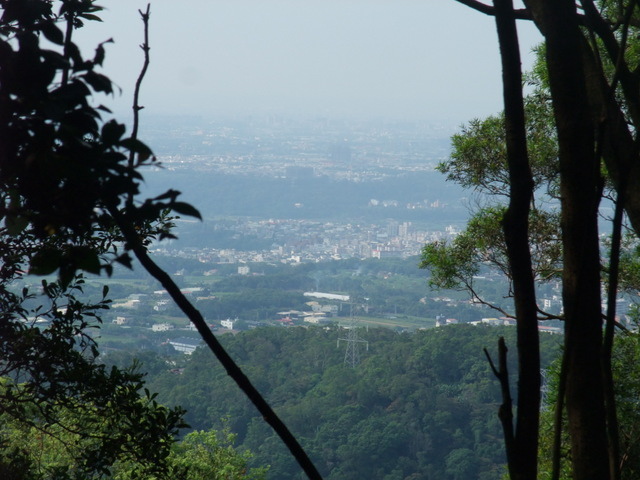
point(591, 68)
point(522, 444)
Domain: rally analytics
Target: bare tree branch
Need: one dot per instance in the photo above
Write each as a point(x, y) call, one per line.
point(134, 243)
point(136, 93)
point(505, 412)
point(520, 14)
point(233, 370)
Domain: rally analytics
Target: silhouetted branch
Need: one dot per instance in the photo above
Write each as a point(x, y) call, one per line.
point(520, 14)
point(476, 298)
point(136, 93)
point(522, 444)
point(505, 412)
point(214, 345)
point(134, 243)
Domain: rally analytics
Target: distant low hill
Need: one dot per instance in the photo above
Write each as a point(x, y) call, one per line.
point(316, 197)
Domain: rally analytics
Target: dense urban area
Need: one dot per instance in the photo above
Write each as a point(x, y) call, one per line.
point(222, 291)
point(306, 266)
point(336, 265)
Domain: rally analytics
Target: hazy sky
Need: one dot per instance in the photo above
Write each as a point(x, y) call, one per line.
point(403, 59)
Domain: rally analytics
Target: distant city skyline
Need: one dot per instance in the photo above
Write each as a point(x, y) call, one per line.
point(431, 60)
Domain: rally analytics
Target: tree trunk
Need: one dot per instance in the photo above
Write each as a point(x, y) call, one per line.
point(523, 453)
point(580, 194)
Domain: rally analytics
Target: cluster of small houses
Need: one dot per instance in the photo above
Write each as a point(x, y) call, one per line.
point(442, 321)
point(322, 313)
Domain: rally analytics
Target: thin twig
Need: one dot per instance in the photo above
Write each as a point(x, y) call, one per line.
point(136, 93)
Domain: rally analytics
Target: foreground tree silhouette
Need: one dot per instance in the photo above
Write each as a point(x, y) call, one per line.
point(595, 97)
point(69, 181)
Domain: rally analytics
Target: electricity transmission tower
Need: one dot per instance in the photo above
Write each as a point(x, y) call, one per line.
point(352, 353)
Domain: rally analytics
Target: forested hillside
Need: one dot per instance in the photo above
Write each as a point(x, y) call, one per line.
point(420, 405)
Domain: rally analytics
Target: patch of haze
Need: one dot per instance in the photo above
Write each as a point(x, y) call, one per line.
point(428, 60)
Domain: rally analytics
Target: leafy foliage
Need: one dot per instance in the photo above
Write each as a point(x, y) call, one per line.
point(64, 414)
point(481, 246)
point(64, 176)
point(63, 171)
point(414, 399)
point(479, 157)
point(91, 440)
point(210, 455)
point(626, 371)
point(589, 72)
point(479, 161)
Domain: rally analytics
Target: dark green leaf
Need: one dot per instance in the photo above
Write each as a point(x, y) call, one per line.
point(74, 54)
point(45, 262)
point(103, 108)
point(172, 194)
point(66, 274)
point(125, 260)
point(87, 260)
point(112, 131)
point(166, 235)
point(98, 82)
point(99, 56)
point(90, 16)
point(186, 209)
point(108, 269)
point(16, 224)
point(136, 146)
point(54, 58)
point(52, 33)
